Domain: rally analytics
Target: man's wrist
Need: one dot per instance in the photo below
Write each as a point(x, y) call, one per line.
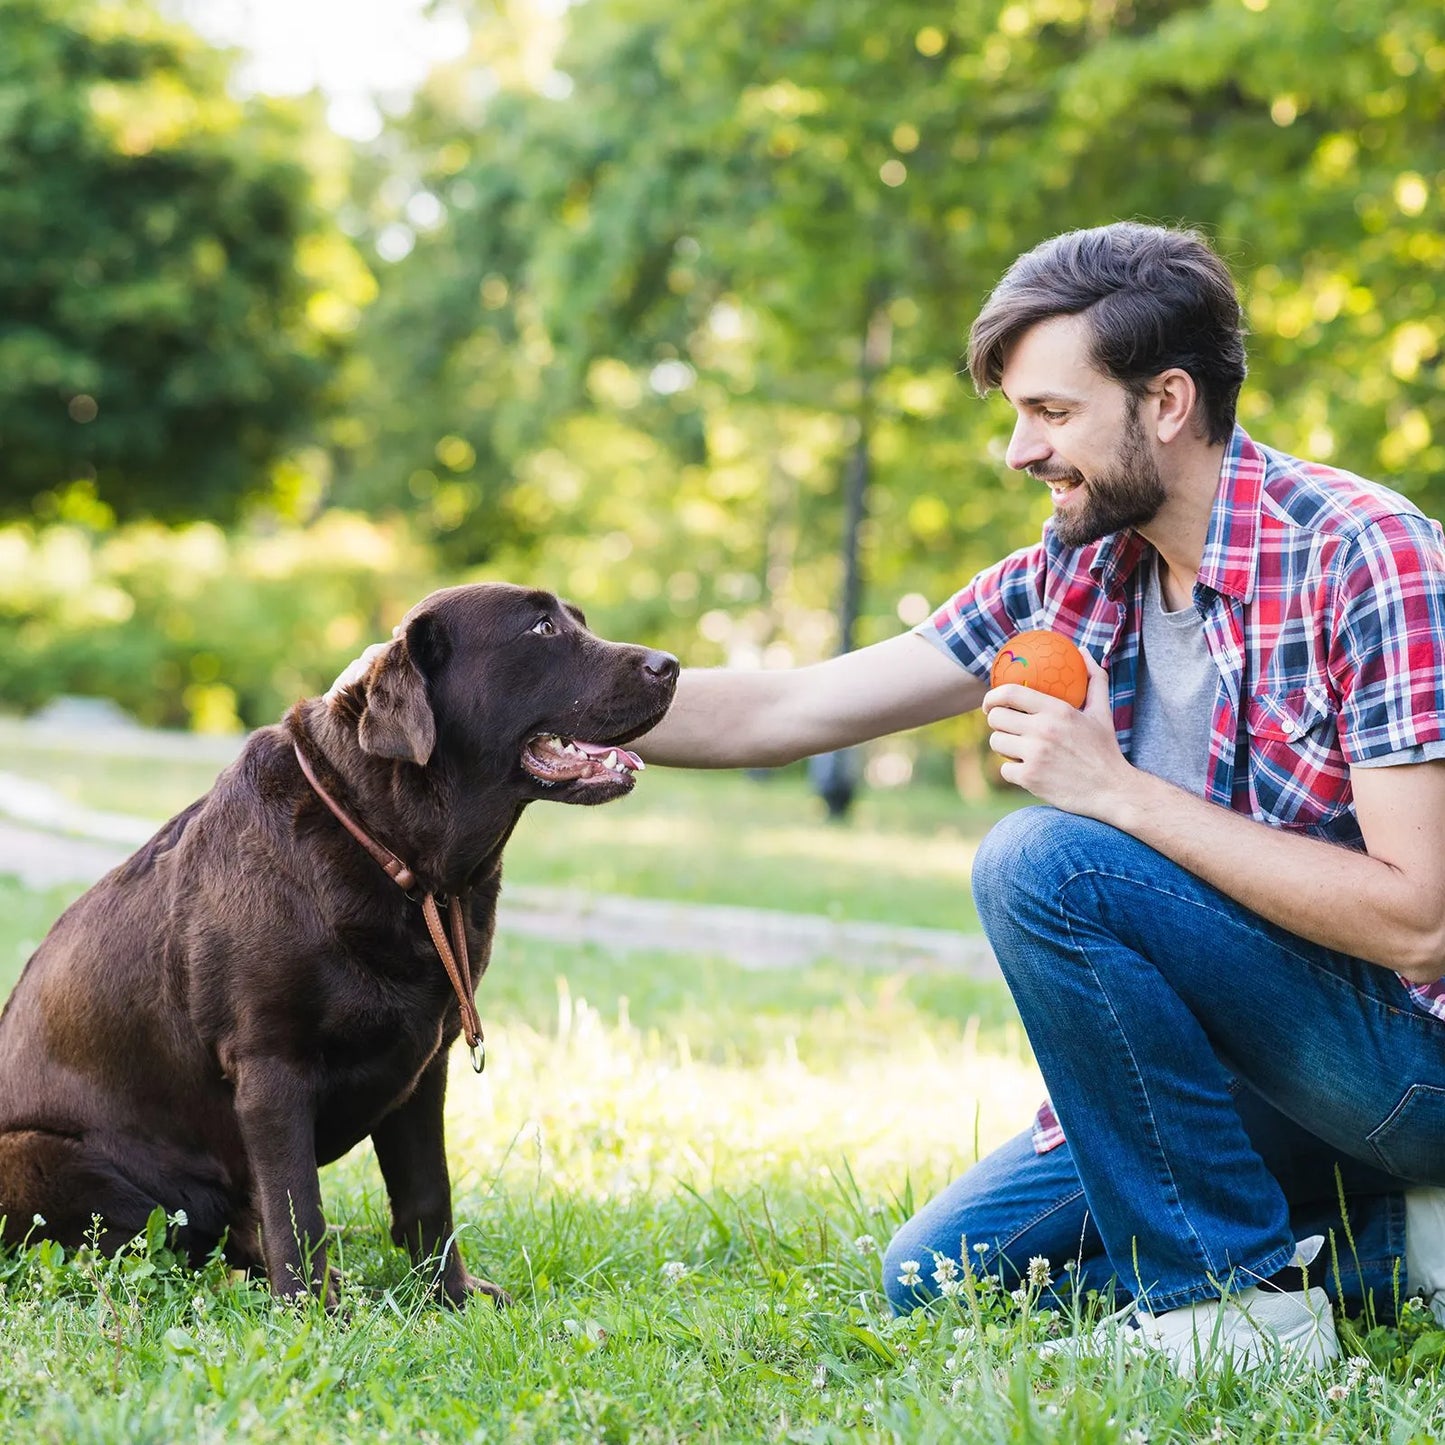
point(1137, 797)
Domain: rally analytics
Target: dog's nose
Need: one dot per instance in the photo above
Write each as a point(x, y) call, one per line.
point(661, 665)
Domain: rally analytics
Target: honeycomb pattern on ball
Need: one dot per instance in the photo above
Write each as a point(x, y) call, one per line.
point(1044, 660)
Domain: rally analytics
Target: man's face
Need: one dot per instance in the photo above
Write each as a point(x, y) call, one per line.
point(1079, 431)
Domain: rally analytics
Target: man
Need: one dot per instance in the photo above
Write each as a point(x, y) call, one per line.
point(1225, 931)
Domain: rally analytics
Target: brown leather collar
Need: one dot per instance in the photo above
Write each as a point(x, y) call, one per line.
point(453, 953)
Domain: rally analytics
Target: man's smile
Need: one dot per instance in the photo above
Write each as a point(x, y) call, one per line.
point(1059, 484)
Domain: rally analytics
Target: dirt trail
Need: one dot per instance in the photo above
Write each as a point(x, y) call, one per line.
point(47, 842)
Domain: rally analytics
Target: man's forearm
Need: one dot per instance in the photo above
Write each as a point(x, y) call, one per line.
point(1329, 894)
point(719, 718)
point(735, 719)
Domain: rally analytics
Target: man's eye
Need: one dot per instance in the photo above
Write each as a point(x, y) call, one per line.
point(545, 626)
point(1050, 415)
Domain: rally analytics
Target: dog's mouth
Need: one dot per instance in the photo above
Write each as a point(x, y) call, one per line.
point(552, 759)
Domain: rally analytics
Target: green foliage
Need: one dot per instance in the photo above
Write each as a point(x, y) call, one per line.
point(633, 341)
point(670, 266)
point(193, 626)
point(174, 295)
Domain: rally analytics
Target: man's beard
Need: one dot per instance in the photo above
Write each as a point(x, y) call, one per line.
point(1126, 493)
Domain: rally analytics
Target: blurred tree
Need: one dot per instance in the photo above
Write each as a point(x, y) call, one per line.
point(173, 293)
point(645, 264)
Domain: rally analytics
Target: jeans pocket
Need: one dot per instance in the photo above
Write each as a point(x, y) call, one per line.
point(1410, 1144)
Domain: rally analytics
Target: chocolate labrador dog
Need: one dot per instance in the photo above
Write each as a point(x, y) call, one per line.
point(250, 994)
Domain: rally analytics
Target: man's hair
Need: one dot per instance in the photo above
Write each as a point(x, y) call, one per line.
point(1152, 299)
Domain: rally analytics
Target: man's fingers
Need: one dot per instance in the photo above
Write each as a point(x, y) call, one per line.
point(1008, 745)
point(1005, 719)
point(1097, 700)
point(355, 670)
point(1020, 698)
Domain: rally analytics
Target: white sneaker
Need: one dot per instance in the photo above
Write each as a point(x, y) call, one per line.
point(1425, 1247)
point(1253, 1327)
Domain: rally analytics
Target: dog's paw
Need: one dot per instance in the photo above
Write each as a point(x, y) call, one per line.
point(457, 1292)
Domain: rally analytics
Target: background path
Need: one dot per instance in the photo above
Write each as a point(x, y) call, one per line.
point(46, 842)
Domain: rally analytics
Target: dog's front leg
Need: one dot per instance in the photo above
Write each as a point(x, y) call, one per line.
point(410, 1145)
point(277, 1114)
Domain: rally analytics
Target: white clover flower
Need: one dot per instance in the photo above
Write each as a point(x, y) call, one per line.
point(944, 1268)
point(1019, 1296)
point(1356, 1368)
point(908, 1272)
point(673, 1270)
point(1040, 1274)
point(179, 1219)
point(950, 1288)
point(980, 1250)
point(1338, 1392)
point(820, 1377)
point(962, 1335)
point(866, 1244)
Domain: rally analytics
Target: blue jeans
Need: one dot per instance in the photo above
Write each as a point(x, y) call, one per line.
point(1211, 1071)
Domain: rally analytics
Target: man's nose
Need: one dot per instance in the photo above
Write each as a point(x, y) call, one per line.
point(1027, 445)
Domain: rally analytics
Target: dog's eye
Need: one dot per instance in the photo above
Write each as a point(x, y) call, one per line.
point(545, 626)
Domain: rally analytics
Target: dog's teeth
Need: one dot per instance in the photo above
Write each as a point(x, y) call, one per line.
point(610, 761)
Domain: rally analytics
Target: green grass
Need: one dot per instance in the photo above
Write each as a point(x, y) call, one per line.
point(145, 787)
point(669, 1163)
point(903, 857)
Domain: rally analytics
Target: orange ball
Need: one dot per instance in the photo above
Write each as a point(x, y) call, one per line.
point(1045, 660)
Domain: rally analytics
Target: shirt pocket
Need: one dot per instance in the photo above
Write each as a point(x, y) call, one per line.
point(1298, 777)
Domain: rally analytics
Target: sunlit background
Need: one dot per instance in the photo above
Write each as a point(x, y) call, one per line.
point(364, 56)
point(310, 306)
point(661, 306)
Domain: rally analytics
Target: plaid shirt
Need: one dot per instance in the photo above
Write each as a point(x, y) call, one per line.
point(1322, 598)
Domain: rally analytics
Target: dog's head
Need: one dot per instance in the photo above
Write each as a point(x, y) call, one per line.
point(508, 683)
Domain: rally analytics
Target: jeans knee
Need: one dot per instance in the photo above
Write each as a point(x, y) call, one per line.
point(907, 1270)
point(1025, 855)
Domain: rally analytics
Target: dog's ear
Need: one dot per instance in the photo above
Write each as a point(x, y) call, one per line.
point(397, 720)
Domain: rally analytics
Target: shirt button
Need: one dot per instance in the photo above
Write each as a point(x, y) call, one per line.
point(1290, 729)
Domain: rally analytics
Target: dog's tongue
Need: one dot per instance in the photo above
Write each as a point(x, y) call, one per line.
point(601, 750)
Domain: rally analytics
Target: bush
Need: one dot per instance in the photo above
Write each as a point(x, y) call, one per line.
point(193, 627)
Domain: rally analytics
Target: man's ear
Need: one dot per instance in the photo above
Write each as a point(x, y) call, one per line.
point(397, 720)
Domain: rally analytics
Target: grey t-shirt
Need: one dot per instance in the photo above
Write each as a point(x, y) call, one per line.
point(1175, 694)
